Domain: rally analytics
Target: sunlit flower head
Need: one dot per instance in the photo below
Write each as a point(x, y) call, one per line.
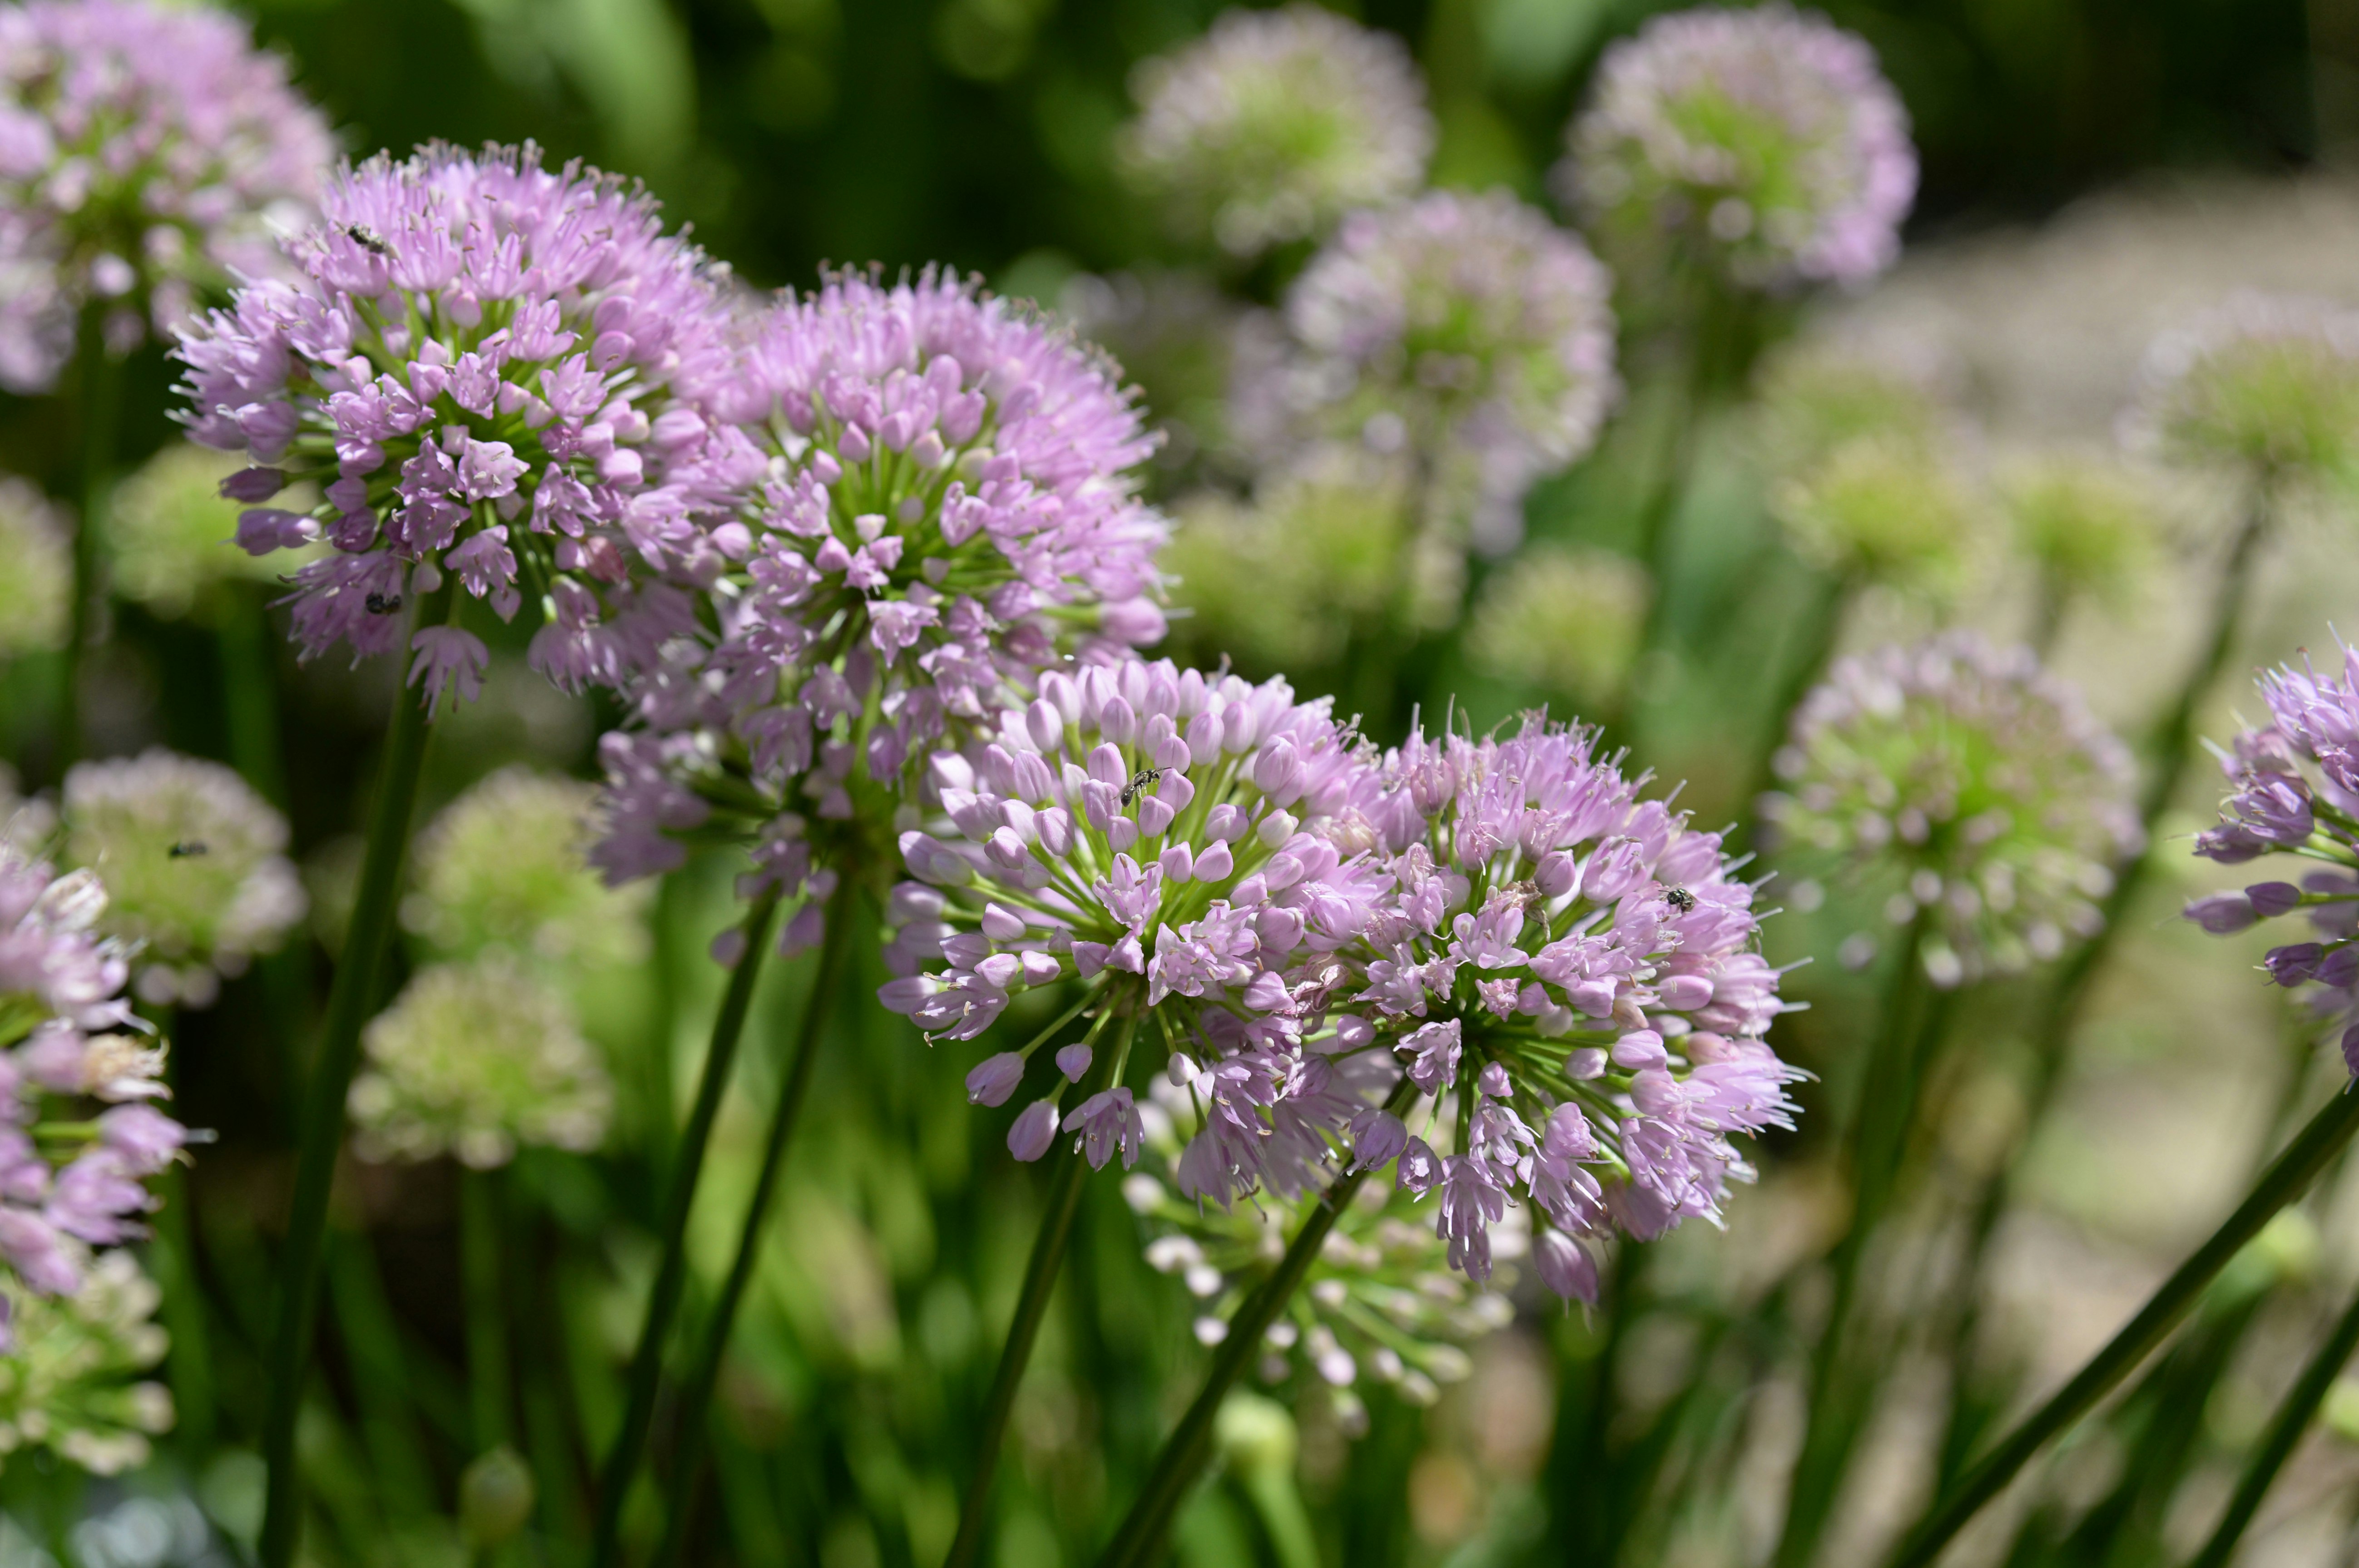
point(1274, 124)
point(1568, 975)
point(172, 535)
point(2265, 386)
point(1158, 835)
point(37, 588)
point(68, 1038)
point(950, 506)
point(474, 1060)
point(504, 866)
point(195, 866)
point(147, 155)
point(1466, 329)
point(478, 367)
point(1563, 622)
point(1763, 143)
point(1970, 788)
point(73, 1381)
point(1378, 1307)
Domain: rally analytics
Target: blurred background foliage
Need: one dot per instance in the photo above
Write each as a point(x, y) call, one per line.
point(793, 133)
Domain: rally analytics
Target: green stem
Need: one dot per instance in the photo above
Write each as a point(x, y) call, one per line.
point(101, 377)
point(695, 1400)
point(672, 1275)
point(2280, 1184)
point(1185, 1451)
point(1879, 1137)
point(1821, 628)
point(480, 1250)
point(2301, 1402)
point(1031, 1306)
point(251, 694)
point(350, 996)
point(174, 1255)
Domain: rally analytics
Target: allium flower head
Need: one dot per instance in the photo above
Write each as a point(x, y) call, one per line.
point(950, 506)
point(194, 862)
point(504, 866)
point(1378, 1305)
point(2266, 385)
point(1971, 785)
point(1276, 124)
point(146, 154)
point(1813, 398)
point(1468, 328)
point(1879, 511)
point(478, 367)
point(2088, 526)
point(1567, 973)
point(1566, 621)
point(73, 1381)
point(37, 590)
point(1283, 580)
point(1762, 142)
point(66, 1040)
point(2294, 786)
point(1159, 836)
point(172, 535)
point(472, 1060)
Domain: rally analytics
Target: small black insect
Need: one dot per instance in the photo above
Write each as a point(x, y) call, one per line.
point(185, 849)
point(381, 603)
point(1680, 899)
point(367, 238)
point(1145, 779)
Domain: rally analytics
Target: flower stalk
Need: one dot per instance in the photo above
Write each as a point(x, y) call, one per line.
point(350, 996)
point(671, 1274)
point(2285, 1179)
point(100, 412)
point(487, 1342)
point(695, 1401)
point(1186, 1450)
point(1031, 1306)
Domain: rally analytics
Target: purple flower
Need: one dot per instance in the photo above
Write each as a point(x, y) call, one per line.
point(1034, 1132)
point(146, 152)
point(994, 1078)
point(1763, 142)
point(1467, 327)
point(2292, 788)
point(516, 419)
point(1163, 839)
point(1276, 124)
point(1615, 928)
point(63, 1033)
point(1564, 1266)
point(1107, 1121)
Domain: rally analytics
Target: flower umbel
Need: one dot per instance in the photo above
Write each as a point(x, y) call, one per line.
point(2266, 385)
point(1764, 143)
point(197, 876)
point(37, 590)
point(147, 153)
point(1468, 331)
point(1156, 835)
point(72, 1381)
point(68, 1185)
point(1968, 785)
point(477, 368)
point(1276, 124)
point(504, 866)
point(1568, 974)
point(472, 1060)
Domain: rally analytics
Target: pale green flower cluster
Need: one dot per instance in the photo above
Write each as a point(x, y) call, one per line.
point(2266, 385)
point(195, 867)
point(1565, 622)
point(474, 1059)
point(1381, 1302)
point(2088, 526)
point(37, 588)
point(502, 867)
point(72, 1383)
point(171, 536)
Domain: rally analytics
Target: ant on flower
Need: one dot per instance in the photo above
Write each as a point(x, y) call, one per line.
point(1145, 779)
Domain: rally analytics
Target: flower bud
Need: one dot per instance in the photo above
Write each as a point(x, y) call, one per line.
point(995, 1078)
point(1035, 1130)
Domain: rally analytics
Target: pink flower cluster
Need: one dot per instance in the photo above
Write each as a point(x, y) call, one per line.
point(146, 152)
point(479, 365)
point(64, 1024)
point(1566, 972)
